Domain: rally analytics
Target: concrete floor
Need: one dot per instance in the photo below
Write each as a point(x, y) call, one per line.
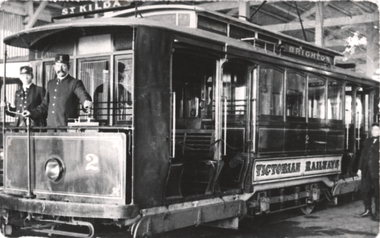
point(341, 221)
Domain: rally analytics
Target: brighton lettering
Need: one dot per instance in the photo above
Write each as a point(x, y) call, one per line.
point(309, 54)
point(272, 169)
point(321, 165)
point(91, 7)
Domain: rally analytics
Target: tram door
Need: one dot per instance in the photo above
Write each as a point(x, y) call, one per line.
point(357, 121)
point(194, 146)
point(235, 98)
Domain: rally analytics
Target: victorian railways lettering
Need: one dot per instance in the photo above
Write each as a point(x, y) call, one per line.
point(292, 167)
point(272, 169)
point(321, 165)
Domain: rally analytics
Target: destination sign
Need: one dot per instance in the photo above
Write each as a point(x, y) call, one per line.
point(307, 54)
point(99, 6)
point(275, 169)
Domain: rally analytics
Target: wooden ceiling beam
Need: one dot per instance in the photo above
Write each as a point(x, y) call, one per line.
point(284, 10)
point(361, 6)
point(34, 17)
point(339, 10)
point(339, 21)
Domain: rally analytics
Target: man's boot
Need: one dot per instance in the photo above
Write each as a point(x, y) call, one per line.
point(366, 213)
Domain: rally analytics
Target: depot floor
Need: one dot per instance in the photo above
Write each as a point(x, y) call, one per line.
point(341, 221)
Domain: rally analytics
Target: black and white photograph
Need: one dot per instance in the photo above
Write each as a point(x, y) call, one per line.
point(191, 119)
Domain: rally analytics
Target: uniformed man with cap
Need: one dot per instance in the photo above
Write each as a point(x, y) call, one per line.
point(27, 98)
point(62, 96)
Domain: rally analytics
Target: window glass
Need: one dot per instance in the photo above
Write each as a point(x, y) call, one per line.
point(271, 92)
point(123, 89)
point(62, 46)
point(95, 76)
point(334, 101)
point(235, 89)
point(316, 98)
point(295, 95)
point(94, 44)
point(123, 40)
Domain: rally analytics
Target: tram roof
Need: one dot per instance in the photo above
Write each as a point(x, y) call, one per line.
point(38, 38)
point(157, 9)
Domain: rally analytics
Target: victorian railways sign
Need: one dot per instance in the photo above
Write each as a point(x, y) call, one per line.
point(295, 167)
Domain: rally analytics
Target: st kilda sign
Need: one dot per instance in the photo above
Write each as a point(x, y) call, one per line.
point(92, 8)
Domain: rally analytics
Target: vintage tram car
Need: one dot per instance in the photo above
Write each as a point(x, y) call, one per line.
point(198, 118)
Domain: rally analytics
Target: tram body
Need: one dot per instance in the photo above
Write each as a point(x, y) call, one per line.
point(198, 118)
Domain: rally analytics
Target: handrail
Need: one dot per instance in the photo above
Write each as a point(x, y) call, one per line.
point(174, 122)
point(225, 126)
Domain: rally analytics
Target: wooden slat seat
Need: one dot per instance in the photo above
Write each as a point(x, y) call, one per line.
point(198, 144)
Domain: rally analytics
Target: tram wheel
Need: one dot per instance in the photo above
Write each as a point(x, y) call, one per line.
point(307, 209)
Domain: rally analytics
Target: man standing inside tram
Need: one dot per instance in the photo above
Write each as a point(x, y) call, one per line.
point(369, 172)
point(27, 98)
point(62, 96)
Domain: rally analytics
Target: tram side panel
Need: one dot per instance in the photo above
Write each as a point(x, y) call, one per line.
point(153, 50)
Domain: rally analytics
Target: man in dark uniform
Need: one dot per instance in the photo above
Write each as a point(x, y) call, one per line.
point(369, 172)
point(62, 96)
point(27, 98)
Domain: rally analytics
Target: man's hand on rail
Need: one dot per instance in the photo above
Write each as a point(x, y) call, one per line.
point(26, 113)
point(86, 106)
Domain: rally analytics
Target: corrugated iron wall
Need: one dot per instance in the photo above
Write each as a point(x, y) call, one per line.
point(12, 24)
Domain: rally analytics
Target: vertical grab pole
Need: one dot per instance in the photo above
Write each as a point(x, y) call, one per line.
point(174, 115)
point(225, 125)
point(29, 161)
point(4, 76)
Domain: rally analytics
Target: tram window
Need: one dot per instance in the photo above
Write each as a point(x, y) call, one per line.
point(316, 98)
point(164, 18)
point(94, 44)
point(123, 40)
point(334, 101)
point(193, 82)
point(235, 89)
point(123, 91)
point(184, 19)
point(63, 46)
point(271, 92)
point(95, 76)
point(295, 95)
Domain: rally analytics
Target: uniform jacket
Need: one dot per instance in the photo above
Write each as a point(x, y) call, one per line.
point(61, 101)
point(369, 159)
point(28, 100)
